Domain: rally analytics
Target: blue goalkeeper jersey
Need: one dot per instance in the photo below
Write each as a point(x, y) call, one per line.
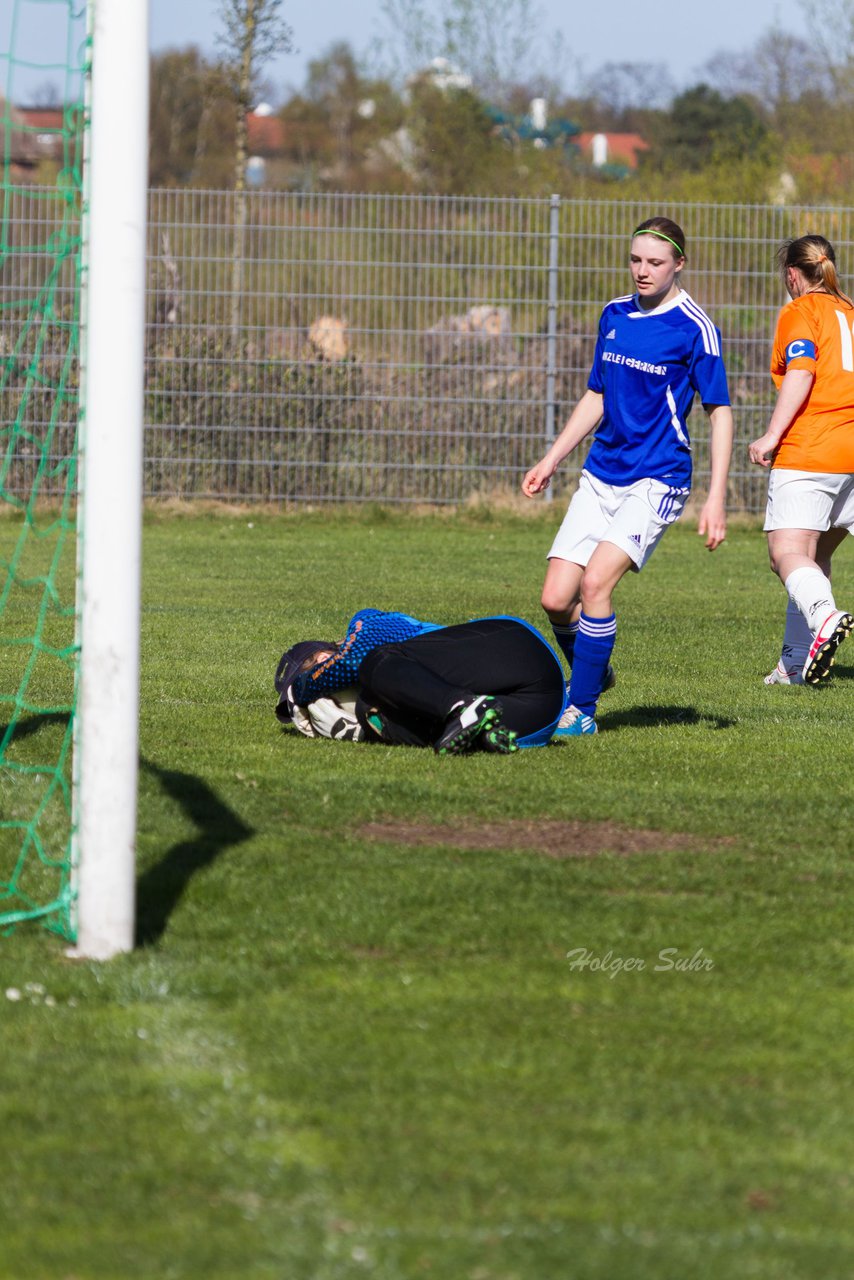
point(367, 630)
point(648, 365)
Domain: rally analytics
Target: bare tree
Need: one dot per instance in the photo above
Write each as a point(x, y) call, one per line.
point(497, 43)
point(45, 94)
point(778, 70)
point(168, 296)
point(621, 87)
point(831, 25)
point(254, 31)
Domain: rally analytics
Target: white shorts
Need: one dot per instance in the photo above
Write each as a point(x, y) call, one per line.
point(809, 500)
point(633, 517)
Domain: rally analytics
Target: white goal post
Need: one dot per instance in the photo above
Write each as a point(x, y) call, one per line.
point(109, 513)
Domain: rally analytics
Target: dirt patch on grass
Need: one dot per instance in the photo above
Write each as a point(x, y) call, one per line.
point(550, 838)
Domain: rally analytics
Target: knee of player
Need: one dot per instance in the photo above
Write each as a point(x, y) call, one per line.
point(555, 603)
point(774, 560)
point(595, 590)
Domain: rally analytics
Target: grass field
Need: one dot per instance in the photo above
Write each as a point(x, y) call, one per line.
point(353, 1043)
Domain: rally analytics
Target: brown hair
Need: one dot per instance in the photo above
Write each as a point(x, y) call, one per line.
point(313, 658)
point(667, 230)
point(814, 257)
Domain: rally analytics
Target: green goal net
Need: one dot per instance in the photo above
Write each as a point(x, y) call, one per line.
point(43, 65)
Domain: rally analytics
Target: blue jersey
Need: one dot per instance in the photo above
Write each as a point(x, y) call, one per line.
point(367, 630)
point(648, 365)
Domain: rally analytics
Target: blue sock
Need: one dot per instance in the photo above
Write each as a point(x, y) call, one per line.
point(565, 634)
point(593, 648)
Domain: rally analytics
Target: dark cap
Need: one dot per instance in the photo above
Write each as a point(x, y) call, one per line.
point(289, 668)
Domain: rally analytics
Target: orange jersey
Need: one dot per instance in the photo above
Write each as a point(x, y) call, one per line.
point(816, 333)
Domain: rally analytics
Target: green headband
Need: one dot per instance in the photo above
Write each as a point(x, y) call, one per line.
point(651, 231)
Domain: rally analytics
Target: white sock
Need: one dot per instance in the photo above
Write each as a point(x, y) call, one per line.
point(797, 639)
point(812, 593)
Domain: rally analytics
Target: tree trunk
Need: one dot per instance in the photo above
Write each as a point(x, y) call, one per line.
point(244, 91)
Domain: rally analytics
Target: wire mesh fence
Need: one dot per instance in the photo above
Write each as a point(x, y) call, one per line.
point(382, 348)
point(411, 349)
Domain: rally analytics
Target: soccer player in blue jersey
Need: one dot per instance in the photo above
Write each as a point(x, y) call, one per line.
point(656, 349)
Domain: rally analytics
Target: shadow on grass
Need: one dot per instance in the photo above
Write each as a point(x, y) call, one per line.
point(160, 889)
point(32, 724)
point(656, 717)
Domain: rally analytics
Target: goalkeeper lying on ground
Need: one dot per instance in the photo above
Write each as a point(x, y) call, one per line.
point(493, 684)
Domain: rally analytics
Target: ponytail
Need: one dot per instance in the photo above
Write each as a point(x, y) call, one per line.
point(815, 258)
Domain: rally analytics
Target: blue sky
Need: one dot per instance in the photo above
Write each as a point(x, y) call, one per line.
point(683, 35)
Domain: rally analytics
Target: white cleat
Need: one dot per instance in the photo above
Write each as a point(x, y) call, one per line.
point(784, 675)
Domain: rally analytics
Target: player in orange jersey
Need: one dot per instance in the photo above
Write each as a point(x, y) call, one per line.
point(809, 446)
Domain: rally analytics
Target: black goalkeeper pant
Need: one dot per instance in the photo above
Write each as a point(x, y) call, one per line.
point(414, 684)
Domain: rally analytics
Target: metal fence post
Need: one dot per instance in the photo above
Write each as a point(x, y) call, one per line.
point(551, 329)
